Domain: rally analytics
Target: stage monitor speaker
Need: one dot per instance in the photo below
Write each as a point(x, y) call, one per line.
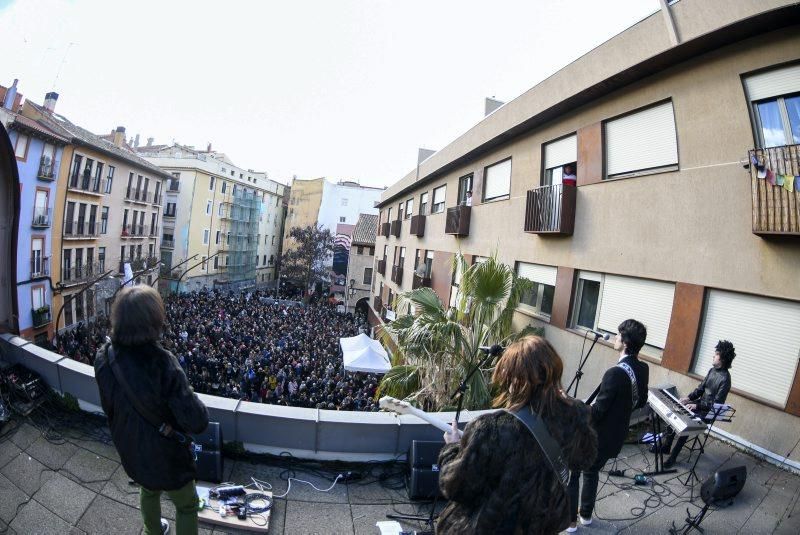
point(724, 485)
point(208, 448)
point(423, 463)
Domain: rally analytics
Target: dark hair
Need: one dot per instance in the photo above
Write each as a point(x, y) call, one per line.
point(533, 368)
point(137, 316)
point(633, 335)
point(726, 353)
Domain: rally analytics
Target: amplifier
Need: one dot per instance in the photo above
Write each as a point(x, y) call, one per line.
point(208, 450)
point(723, 485)
point(423, 484)
point(423, 463)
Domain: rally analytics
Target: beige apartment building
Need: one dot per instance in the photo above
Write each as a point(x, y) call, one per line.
point(655, 178)
point(222, 223)
point(360, 265)
point(106, 214)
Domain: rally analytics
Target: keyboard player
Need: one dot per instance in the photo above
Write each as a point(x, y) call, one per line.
point(713, 389)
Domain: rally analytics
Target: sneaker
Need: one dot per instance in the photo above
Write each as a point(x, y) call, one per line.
point(164, 526)
point(572, 529)
point(585, 521)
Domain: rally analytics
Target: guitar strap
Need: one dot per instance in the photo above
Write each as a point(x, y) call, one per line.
point(634, 385)
point(549, 446)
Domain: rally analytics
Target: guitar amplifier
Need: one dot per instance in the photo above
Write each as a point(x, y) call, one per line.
point(208, 452)
point(423, 463)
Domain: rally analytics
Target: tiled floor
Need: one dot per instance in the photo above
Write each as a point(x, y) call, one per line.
point(55, 484)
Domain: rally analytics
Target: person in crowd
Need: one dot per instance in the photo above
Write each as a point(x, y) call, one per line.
point(496, 477)
point(713, 389)
point(158, 459)
point(622, 389)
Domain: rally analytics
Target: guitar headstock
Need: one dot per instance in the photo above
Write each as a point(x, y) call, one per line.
point(393, 404)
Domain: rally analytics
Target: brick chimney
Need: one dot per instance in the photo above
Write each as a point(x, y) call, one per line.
point(119, 136)
point(50, 100)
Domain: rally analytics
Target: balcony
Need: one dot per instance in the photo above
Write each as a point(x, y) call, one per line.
point(396, 225)
point(167, 244)
point(40, 267)
point(138, 263)
point(169, 214)
point(551, 210)
point(420, 281)
point(138, 196)
point(135, 231)
point(86, 183)
point(79, 273)
point(776, 210)
point(397, 275)
point(157, 199)
point(377, 304)
point(40, 316)
point(385, 227)
point(457, 222)
point(47, 169)
point(154, 232)
point(41, 217)
point(382, 267)
point(174, 187)
point(80, 230)
point(417, 227)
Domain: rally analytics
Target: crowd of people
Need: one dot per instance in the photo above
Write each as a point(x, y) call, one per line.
point(249, 346)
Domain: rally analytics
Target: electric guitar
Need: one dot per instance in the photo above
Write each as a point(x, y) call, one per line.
point(404, 407)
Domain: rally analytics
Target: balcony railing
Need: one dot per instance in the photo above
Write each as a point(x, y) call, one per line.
point(41, 217)
point(40, 316)
point(385, 227)
point(377, 304)
point(157, 199)
point(47, 169)
point(167, 244)
point(551, 210)
point(420, 281)
point(397, 274)
point(169, 213)
point(80, 229)
point(382, 267)
point(138, 263)
point(776, 210)
point(40, 267)
point(457, 222)
point(80, 273)
point(134, 231)
point(417, 225)
point(137, 195)
point(397, 224)
point(87, 183)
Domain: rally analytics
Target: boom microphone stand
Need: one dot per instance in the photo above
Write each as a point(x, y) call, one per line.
point(578, 374)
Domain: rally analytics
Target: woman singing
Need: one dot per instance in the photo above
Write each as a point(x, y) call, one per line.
point(496, 476)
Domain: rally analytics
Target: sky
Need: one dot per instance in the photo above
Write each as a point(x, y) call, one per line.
point(346, 89)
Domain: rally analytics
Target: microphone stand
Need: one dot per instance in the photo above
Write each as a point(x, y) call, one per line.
point(578, 374)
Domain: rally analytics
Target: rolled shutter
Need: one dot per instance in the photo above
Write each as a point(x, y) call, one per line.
point(439, 194)
point(766, 335)
point(563, 151)
point(773, 83)
point(641, 140)
point(498, 180)
point(647, 301)
point(537, 273)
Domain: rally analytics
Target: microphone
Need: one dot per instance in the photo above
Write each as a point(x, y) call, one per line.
point(494, 350)
point(597, 335)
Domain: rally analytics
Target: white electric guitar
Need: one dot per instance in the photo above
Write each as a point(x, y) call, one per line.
point(404, 407)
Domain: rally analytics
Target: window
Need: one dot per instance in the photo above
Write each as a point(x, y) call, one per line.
point(360, 249)
point(559, 159)
point(216, 262)
point(344, 201)
point(224, 186)
point(409, 208)
point(209, 205)
point(641, 142)
point(438, 199)
point(749, 322)
point(21, 147)
point(367, 276)
point(423, 204)
point(464, 185)
point(211, 183)
point(204, 263)
point(37, 297)
point(216, 237)
point(101, 259)
point(37, 257)
point(170, 211)
point(402, 260)
point(497, 180)
point(776, 105)
point(66, 270)
point(205, 236)
point(540, 297)
point(110, 178)
point(220, 209)
point(342, 219)
point(587, 297)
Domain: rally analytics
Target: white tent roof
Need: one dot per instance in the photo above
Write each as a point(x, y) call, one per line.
point(363, 354)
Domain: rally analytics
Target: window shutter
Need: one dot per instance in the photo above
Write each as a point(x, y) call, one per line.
point(644, 300)
point(498, 180)
point(766, 335)
point(438, 195)
point(563, 151)
point(641, 140)
point(537, 273)
point(773, 83)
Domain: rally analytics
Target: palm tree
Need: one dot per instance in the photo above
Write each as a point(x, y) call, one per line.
point(439, 345)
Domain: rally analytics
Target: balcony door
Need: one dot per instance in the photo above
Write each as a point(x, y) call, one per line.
point(40, 207)
point(37, 256)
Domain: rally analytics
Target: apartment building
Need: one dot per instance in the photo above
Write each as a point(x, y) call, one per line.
point(360, 264)
point(656, 177)
point(222, 223)
point(38, 154)
point(107, 214)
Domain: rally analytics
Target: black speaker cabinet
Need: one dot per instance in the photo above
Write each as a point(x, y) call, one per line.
point(423, 463)
point(724, 485)
point(208, 448)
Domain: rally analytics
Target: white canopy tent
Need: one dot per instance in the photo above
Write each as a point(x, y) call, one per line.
point(363, 354)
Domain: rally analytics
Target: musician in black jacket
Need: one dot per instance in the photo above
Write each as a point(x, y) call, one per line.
point(713, 389)
point(623, 389)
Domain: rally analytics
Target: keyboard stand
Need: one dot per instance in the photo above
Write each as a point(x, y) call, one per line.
point(721, 414)
point(659, 455)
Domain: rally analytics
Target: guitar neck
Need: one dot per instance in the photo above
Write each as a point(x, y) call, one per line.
point(405, 408)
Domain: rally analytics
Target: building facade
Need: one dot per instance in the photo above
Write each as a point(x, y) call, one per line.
point(222, 223)
point(654, 178)
point(360, 264)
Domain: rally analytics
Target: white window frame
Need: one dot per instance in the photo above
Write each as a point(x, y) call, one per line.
point(212, 182)
point(21, 146)
point(541, 280)
point(206, 236)
point(409, 208)
point(497, 181)
point(442, 202)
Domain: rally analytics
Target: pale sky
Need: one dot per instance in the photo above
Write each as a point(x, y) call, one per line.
point(347, 89)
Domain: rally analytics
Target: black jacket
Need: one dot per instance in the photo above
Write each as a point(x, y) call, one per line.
point(153, 461)
point(713, 389)
point(611, 411)
point(498, 480)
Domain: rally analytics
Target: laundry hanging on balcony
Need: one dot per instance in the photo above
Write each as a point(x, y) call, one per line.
point(790, 183)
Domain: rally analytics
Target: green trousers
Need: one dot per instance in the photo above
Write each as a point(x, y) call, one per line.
point(185, 500)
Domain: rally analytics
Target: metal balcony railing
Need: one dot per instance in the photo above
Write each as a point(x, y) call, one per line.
point(385, 227)
point(397, 274)
point(457, 222)
point(40, 316)
point(776, 209)
point(157, 199)
point(167, 244)
point(41, 217)
point(80, 229)
point(420, 280)
point(47, 169)
point(134, 231)
point(40, 267)
point(396, 226)
point(551, 210)
point(169, 213)
point(87, 183)
point(417, 225)
point(74, 274)
point(133, 194)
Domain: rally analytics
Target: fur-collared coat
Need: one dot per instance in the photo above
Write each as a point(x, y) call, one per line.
point(498, 480)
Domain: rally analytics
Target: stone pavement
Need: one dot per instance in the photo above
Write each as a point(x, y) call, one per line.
point(74, 485)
